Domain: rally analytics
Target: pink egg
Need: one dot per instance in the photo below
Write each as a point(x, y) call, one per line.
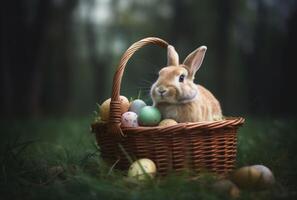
point(129, 119)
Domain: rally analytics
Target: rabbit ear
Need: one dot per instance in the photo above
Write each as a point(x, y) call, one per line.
point(194, 60)
point(172, 56)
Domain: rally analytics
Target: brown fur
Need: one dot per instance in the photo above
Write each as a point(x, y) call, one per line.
point(184, 101)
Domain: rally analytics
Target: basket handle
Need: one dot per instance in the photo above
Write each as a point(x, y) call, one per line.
point(115, 109)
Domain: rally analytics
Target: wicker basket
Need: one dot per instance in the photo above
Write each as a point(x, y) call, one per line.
point(196, 146)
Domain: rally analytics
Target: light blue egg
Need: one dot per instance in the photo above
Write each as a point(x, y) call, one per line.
point(137, 105)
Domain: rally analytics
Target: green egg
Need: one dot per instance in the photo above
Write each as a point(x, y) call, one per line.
point(149, 116)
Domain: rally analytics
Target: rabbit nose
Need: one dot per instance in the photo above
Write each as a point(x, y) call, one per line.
point(162, 90)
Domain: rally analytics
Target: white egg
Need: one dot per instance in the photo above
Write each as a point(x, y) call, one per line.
point(142, 169)
point(129, 119)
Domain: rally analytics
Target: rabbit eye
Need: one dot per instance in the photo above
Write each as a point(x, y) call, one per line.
point(181, 78)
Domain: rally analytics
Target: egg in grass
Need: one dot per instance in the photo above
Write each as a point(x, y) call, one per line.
point(227, 187)
point(142, 169)
point(253, 177)
point(267, 178)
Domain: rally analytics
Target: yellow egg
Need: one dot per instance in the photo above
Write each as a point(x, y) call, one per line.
point(105, 107)
point(142, 169)
point(104, 110)
point(167, 122)
point(246, 177)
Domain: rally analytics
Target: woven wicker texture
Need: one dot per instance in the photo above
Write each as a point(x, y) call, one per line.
point(196, 146)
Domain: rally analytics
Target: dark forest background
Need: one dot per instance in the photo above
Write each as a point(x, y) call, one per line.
point(58, 57)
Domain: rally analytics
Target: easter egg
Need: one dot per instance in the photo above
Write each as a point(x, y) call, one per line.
point(227, 187)
point(246, 177)
point(149, 116)
point(136, 106)
point(104, 110)
point(142, 169)
point(167, 122)
point(105, 107)
point(267, 178)
point(129, 119)
point(124, 104)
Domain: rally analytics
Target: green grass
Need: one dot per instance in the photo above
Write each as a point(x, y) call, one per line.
point(59, 159)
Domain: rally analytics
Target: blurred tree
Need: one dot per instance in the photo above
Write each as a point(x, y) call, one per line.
point(265, 63)
point(224, 28)
point(287, 96)
point(23, 27)
point(59, 57)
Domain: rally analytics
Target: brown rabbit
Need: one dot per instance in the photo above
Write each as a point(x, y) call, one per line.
point(177, 96)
